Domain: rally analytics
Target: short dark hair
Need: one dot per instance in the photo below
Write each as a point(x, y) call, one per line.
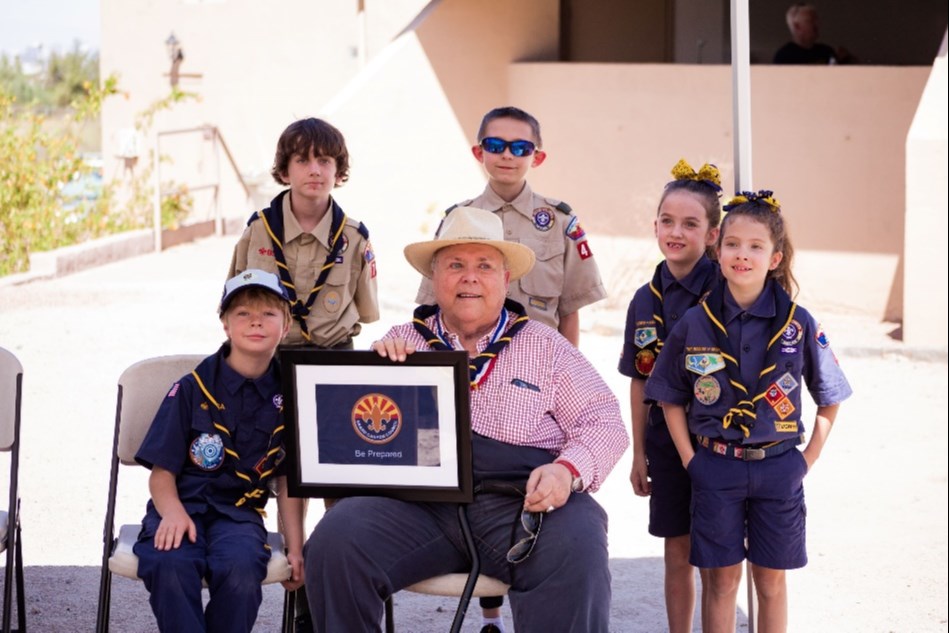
point(305, 135)
point(510, 112)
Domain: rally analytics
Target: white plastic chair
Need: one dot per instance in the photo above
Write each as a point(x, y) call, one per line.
point(11, 379)
point(141, 390)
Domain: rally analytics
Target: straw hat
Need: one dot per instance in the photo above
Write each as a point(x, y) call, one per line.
point(468, 225)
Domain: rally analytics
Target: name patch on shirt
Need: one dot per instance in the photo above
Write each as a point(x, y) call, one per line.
point(704, 364)
point(535, 302)
point(789, 426)
point(644, 336)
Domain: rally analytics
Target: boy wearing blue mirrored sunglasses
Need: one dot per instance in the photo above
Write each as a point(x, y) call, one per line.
point(565, 276)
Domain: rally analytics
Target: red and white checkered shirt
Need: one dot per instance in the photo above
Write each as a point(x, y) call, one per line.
point(542, 392)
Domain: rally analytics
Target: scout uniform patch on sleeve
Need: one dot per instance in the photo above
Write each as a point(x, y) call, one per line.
point(645, 361)
point(644, 336)
point(574, 231)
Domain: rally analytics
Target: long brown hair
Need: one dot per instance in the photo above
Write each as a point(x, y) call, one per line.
point(764, 208)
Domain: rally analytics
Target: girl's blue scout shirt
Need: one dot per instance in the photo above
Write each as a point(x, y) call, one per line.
point(691, 370)
point(184, 440)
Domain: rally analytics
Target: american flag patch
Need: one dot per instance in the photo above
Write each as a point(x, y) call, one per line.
point(174, 390)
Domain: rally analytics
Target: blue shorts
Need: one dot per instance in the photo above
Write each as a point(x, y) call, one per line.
point(765, 497)
point(671, 486)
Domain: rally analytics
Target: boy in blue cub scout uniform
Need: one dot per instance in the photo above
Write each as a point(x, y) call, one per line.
point(214, 449)
point(731, 375)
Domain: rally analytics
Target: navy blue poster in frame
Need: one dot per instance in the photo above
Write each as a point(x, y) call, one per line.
point(359, 424)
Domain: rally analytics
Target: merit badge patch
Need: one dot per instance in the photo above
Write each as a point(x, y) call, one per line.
point(786, 383)
point(821, 337)
point(644, 336)
point(773, 394)
point(704, 364)
point(543, 219)
point(784, 408)
point(584, 249)
point(377, 419)
point(207, 451)
point(331, 301)
point(792, 334)
point(645, 360)
point(707, 390)
point(574, 231)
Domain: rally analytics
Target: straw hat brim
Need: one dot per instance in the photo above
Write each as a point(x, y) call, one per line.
point(519, 258)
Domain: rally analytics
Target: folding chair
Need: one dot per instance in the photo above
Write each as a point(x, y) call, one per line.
point(142, 387)
point(464, 586)
point(11, 378)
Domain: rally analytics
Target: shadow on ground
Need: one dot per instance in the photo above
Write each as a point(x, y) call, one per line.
point(64, 599)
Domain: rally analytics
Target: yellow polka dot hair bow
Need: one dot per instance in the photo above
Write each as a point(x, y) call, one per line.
point(763, 195)
point(707, 174)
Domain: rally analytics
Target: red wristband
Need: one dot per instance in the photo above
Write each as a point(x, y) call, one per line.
point(573, 469)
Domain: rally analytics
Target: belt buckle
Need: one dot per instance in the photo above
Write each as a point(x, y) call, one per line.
point(752, 454)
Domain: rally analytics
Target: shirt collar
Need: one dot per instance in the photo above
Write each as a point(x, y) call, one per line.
point(764, 306)
point(292, 229)
point(523, 203)
point(266, 385)
point(438, 326)
point(694, 282)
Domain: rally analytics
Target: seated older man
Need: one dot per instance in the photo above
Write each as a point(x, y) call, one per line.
point(542, 419)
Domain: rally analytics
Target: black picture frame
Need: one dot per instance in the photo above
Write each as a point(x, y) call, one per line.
point(360, 424)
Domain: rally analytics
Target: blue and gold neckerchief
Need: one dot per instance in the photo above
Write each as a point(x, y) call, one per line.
point(658, 309)
point(743, 412)
point(481, 365)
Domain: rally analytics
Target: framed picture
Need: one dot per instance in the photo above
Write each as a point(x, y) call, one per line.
point(360, 424)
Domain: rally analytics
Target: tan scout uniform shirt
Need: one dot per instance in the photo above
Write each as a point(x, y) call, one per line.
point(565, 276)
point(350, 294)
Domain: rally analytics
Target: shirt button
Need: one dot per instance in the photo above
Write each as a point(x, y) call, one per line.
point(675, 315)
point(746, 348)
point(507, 232)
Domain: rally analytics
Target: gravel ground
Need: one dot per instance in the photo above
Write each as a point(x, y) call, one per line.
point(877, 508)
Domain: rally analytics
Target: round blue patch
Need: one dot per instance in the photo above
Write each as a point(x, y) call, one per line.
point(543, 219)
point(207, 451)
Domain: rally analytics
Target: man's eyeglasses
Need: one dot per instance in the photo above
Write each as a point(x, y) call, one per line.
point(494, 145)
point(531, 522)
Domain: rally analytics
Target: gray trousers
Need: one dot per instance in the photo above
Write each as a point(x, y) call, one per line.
point(367, 548)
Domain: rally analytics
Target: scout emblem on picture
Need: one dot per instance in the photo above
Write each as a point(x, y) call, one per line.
point(792, 334)
point(543, 219)
point(644, 336)
point(704, 364)
point(707, 390)
point(376, 419)
point(207, 451)
point(645, 360)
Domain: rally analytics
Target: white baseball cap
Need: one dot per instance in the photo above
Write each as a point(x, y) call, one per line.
point(252, 277)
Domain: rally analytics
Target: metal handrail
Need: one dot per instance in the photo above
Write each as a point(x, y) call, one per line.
point(212, 133)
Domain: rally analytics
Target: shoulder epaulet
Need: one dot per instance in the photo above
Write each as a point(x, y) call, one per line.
point(363, 230)
point(563, 207)
point(253, 216)
point(458, 204)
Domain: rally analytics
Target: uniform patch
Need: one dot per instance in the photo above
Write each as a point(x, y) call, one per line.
point(789, 426)
point(371, 259)
point(707, 390)
point(784, 408)
point(265, 252)
point(376, 418)
point(788, 350)
point(207, 451)
point(345, 241)
point(584, 249)
point(277, 401)
point(543, 219)
point(704, 364)
point(787, 383)
point(792, 334)
point(174, 390)
point(773, 394)
point(331, 301)
point(644, 336)
point(535, 302)
point(574, 231)
point(339, 259)
point(821, 337)
point(645, 360)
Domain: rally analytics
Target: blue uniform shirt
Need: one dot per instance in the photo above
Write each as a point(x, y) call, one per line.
point(642, 340)
point(691, 370)
point(183, 439)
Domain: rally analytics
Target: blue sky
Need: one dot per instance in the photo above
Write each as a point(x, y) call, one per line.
point(55, 23)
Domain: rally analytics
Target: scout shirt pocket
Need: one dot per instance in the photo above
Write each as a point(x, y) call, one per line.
point(543, 285)
point(340, 285)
